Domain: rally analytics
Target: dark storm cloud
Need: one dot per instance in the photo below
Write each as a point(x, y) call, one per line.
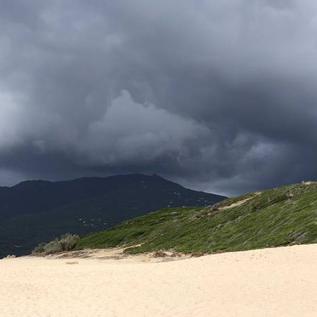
point(220, 95)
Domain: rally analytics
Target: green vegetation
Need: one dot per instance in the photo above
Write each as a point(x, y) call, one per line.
point(66, 242)
point(277, 217)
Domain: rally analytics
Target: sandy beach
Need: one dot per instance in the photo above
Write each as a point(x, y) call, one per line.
point(272, 282)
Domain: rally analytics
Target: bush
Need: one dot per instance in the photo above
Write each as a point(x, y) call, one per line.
point(66, 242)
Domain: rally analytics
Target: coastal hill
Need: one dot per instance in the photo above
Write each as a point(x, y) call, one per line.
point(36, 211)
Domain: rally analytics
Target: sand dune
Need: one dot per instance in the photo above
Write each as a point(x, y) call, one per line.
point(272, 282)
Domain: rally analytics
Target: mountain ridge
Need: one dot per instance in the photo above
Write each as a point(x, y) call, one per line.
point(35, 211)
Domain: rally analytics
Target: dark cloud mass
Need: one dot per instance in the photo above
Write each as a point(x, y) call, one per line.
point(219, 95)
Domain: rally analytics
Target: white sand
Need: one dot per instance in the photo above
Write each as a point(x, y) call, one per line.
point(273, 282)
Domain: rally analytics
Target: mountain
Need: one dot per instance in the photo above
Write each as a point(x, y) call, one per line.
point(36, 211)
point(277, 217)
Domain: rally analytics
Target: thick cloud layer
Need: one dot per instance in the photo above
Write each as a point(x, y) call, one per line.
point(219, 95)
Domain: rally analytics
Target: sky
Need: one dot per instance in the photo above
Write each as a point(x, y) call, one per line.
point(219, 95)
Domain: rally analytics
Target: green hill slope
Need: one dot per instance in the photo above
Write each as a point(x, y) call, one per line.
point(276, 217)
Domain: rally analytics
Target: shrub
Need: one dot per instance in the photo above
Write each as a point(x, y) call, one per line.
point(66, 242)
point(39, 249)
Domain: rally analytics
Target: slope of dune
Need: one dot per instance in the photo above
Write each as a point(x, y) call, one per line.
point(269, 282)
point(277, 217)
